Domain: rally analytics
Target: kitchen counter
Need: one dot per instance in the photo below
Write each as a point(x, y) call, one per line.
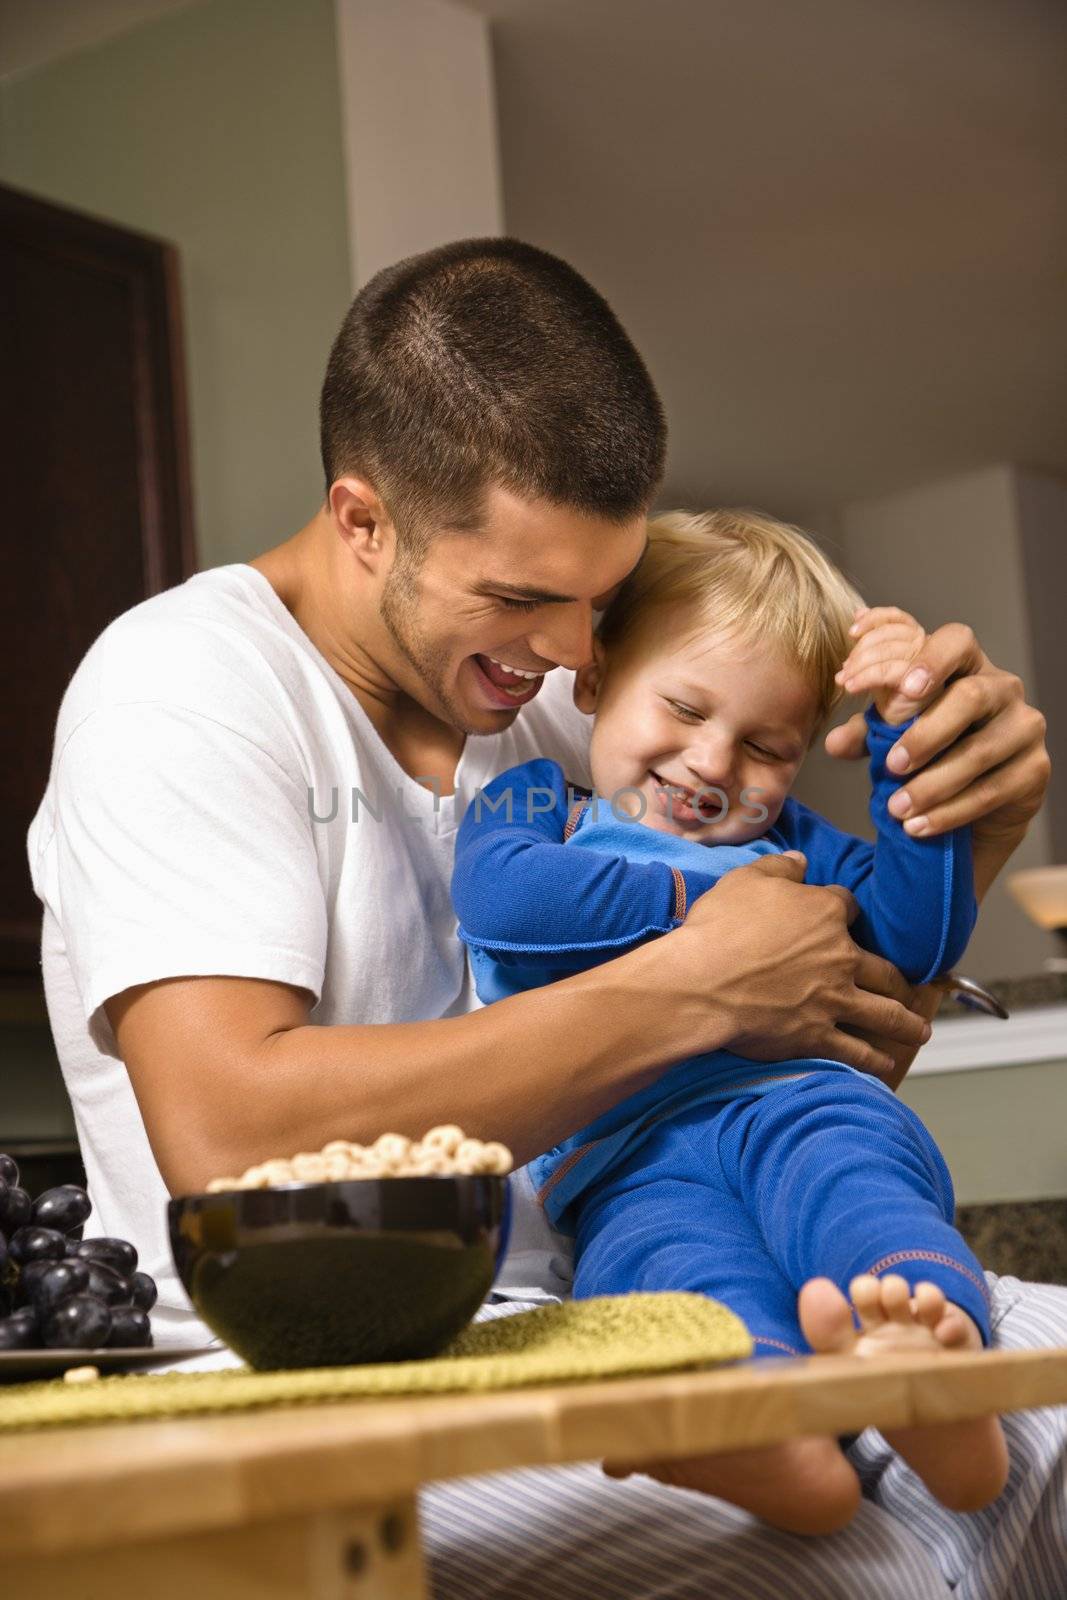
point(994, 1096)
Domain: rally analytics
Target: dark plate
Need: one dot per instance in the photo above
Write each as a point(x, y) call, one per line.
point(23, 1364)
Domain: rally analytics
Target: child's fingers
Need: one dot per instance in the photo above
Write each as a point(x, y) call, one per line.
point(875, 616)
point(878, 654)
point(889, 630)
point(904, 636)
point(882, 675)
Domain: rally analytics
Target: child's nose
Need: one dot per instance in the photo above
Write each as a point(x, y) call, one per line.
point(711, 760)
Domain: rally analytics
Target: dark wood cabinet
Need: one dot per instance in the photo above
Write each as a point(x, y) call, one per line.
point(96, 506)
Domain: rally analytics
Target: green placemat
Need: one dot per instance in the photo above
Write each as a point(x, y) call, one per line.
point(611, 1337)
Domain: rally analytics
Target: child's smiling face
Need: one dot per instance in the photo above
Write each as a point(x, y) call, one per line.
point(712, 712)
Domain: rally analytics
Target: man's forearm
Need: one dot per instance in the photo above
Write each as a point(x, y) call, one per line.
point(991, 854)
point(527, 1070)
point(228, 1071)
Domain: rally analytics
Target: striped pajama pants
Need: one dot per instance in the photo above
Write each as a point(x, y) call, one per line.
point(573, 1534)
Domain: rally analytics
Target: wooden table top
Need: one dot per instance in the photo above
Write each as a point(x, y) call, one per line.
point(85, 1487)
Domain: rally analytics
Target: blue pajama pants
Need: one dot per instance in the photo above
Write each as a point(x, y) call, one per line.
point(829, 1175)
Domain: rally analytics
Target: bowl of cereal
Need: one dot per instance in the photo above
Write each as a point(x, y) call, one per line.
point(350, 1254)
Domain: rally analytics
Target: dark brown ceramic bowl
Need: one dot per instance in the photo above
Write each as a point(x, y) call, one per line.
point(334, 1274)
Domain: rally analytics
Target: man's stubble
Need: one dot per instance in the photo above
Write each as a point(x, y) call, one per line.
point(399, 611)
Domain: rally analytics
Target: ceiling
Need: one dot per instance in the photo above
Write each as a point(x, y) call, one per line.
point(34, 32)
point(836, 228)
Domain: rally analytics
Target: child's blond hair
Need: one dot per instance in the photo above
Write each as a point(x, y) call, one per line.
point(747, 575)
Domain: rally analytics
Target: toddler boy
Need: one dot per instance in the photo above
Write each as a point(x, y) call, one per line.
point(775, 1189)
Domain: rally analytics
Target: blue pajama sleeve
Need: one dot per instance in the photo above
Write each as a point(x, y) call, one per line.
point(916, 896)
point(517, 890)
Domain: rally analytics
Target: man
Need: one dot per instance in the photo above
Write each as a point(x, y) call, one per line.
point(245, 847)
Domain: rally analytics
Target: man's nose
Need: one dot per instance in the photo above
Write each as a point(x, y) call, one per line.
point(566, 635)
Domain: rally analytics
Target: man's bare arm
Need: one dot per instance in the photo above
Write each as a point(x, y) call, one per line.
point(229, 1071)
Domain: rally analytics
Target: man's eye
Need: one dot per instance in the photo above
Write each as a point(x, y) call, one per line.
point(518, 605)
point(762, 752)
point(685, 713)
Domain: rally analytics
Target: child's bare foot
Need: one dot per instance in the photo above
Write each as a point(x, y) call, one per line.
point(801, 1486)
point(965, 1464)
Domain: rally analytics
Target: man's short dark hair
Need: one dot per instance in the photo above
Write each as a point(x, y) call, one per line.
point(489, 361)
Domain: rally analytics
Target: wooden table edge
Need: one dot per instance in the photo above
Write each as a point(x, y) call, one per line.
point(87, 1487)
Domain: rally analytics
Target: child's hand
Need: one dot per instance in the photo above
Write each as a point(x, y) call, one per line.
point(887, 642)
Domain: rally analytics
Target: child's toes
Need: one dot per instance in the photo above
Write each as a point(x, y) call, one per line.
point(953, 1330)
point(896, 1298)
point(928, 1305)
point(826, 1318)
point(865, 1292)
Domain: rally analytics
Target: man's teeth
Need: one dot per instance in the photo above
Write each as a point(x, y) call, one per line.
point(517, 671)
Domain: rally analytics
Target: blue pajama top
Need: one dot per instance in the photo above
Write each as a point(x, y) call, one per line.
point(548, 881)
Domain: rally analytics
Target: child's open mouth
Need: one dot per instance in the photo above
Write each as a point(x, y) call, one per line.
point(679, 803)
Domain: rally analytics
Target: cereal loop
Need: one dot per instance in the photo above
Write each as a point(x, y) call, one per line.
point(446, 1138)
point(443, 1152)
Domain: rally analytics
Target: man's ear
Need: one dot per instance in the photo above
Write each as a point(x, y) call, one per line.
point(361, 519)
point(588, 680)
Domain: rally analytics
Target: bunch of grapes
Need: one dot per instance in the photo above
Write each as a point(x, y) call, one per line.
point(59, 1291)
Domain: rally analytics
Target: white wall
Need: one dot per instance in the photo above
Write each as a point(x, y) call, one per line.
point(420, 134)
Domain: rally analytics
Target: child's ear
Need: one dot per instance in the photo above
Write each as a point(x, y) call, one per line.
point(587, 680)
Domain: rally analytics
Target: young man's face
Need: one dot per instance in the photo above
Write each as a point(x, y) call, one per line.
point(710, 713)
point(519, 593)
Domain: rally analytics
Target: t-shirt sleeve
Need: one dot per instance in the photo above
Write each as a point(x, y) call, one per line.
point(181, 848)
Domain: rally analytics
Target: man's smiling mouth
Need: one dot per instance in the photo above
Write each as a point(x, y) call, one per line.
point(509, 683)
point(518, 671)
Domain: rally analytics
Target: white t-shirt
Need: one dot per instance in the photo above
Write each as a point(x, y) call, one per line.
point(220, 803)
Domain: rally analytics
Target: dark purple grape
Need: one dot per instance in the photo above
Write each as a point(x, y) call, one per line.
point(58, 1281)
point(19, 1330)
point(130, 1328)
point(81, 1323)
point(37, 1244)
point(62, 1208)
point(28, 1278)
point(107, 1284)
point(116, 1252)
point(9, 1172)
point(144, 1291)
point(16, 1208)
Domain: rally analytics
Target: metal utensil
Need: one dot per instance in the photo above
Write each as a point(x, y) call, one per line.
point(966, 992)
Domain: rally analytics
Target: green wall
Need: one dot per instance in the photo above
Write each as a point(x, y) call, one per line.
point(218, 128)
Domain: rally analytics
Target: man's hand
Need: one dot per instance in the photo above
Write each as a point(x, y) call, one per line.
point(925, 1001)
point(991, 767)
point(790, 978)
point(888, 642)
